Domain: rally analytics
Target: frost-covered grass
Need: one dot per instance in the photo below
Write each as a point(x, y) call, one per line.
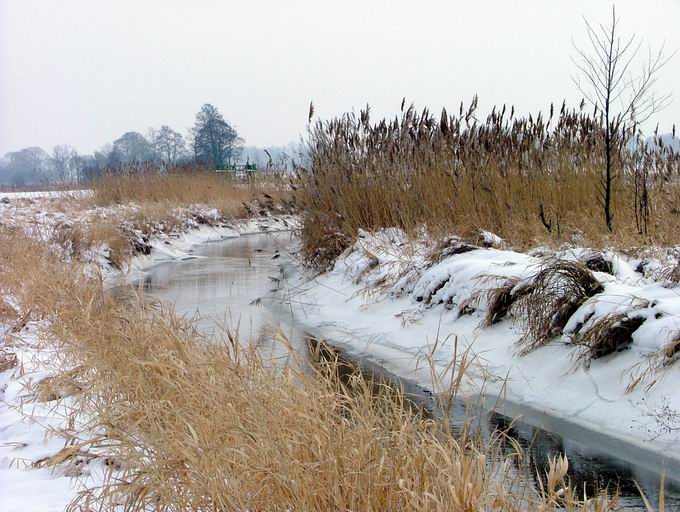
point(89, 227)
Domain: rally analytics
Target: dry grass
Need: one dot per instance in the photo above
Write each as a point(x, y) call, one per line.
point(610, 334)
point(597, 262)
point(186, 188)
point(501, 299)
point(190, 425)
point(557, 291)
point(672, 274)
point(7, 312)
point(528, 180)
point(79, 238)
point(654, 368)
point(138, 207)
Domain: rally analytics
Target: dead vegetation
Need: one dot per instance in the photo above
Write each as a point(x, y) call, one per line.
point(8, 360)
point(182, 424)
point(672, 274)
point(126, 210)
point(654, 368)
point(597, 262)
point(501, 299)
point(79, 237)
point(556, 292)
point(7, 312)
point(529, 180)
point(610, 334)
point(671, 349)
point(187, 188)
point(450, 246)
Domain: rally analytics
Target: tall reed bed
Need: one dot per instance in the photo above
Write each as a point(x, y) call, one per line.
point(187, 425)
point(190, 186)
point(526, 179)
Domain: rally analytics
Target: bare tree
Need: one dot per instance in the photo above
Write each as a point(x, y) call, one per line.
point(64, 162)
point(625, 99)
point(168, 145)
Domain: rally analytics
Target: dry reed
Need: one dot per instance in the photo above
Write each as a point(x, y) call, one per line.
point(608, 335)
point(554, 295)
point(528, 180)
point(226, 194)
point(183, 424)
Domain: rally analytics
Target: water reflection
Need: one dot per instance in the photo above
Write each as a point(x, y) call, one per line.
point(222, 285)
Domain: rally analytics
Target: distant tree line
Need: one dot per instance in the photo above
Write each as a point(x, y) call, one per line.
point(210, 143)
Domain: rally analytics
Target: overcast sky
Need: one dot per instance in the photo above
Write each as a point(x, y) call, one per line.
point(85, 71)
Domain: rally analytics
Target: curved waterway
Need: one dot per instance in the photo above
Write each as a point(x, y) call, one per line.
point(236, 282)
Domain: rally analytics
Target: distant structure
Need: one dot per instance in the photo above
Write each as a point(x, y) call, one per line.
point(238, 170)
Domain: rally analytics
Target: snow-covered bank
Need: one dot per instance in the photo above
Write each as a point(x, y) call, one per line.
point(177, 246)
point(28, 421)
point(401, 302)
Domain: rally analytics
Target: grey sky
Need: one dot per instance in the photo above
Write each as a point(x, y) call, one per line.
point(85, 71)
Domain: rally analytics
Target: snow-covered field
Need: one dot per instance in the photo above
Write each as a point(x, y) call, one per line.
point(386, 298)
point(42, 194)
point(27, 423)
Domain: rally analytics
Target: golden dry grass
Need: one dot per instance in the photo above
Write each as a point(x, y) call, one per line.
point(528, 180)
point(79, 237)
point(127, 209)
point(190, 425)
point(182, 189)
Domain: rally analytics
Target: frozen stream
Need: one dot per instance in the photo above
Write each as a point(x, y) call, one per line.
point(232, 282)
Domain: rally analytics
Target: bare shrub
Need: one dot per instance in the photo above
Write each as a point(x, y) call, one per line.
point(557, 291)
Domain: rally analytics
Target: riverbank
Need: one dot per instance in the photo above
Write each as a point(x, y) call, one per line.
point(142, 412)
point(606, 367)
point(22, 385)
point(34, 428)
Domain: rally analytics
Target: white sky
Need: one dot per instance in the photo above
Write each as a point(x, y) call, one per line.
point(85, 71)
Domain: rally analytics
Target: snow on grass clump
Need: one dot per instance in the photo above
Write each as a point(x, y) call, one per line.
point(594, 301)
point(606, 325)
point(556, 292)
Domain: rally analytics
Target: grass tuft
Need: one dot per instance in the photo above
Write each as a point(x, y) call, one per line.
point(501, 299)
point(608, 335)
point(557, 291)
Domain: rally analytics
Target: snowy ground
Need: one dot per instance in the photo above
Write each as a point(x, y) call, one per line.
point(387, 299)
point(26, 421)
point(44, 194)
